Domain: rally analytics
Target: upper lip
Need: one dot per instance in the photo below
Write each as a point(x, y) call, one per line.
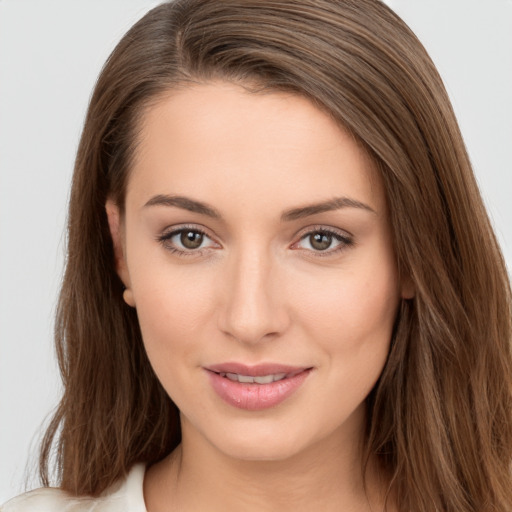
point(258, 370)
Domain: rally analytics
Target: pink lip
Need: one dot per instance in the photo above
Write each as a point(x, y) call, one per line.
point(254, 371)
point(253, 396)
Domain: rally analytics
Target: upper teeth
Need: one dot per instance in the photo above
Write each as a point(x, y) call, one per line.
point(263, 379)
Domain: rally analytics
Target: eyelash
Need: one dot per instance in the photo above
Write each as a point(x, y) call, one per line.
point(166, 237)
point(345, 240)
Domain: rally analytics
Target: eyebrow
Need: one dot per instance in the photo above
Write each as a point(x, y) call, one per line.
point(192, 205)
point(326, 206)
point(185, 203)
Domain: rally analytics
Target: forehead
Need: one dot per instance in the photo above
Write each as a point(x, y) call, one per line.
point(268, 146)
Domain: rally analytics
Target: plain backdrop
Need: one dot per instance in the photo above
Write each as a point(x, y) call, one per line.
point(50, 54)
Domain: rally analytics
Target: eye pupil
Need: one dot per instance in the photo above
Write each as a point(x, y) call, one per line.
point(191, 239)
point(320, 241)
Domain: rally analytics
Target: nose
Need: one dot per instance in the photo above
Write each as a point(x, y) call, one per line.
point(253, 308)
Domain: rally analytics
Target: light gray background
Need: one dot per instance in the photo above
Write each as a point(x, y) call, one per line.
point(50, 55)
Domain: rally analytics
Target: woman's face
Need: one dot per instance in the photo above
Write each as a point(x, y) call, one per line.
point(257, 252)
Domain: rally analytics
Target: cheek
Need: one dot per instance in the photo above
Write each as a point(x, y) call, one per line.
point(172, 311)
point(350, 310)
point(353, 325)
point(172, 305)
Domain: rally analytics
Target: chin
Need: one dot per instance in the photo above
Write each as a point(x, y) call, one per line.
point(263, 451)
point(265, 442)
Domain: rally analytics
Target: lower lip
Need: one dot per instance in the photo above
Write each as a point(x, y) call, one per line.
point(256, 397)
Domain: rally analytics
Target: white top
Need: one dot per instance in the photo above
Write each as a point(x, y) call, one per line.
point(124, 496)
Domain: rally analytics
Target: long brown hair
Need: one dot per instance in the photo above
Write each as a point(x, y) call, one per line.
point(440, 417)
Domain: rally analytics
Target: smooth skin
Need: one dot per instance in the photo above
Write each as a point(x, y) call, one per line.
point(252, 275)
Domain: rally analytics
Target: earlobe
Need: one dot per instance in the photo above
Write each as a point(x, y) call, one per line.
point(128, 297)
point(114, 224)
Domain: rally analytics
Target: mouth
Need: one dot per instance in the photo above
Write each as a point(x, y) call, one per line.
point(256, 387)
point(248, 379)
point(258, 374)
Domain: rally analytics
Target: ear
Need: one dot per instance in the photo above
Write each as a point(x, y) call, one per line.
point(114, 224)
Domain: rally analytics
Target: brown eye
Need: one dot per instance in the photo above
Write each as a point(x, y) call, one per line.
point(187, 241)
point(320, 241)
point(191, 239)
point(324, 242)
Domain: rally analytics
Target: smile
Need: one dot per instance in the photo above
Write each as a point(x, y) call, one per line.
point(258, 387)
point(248, 379)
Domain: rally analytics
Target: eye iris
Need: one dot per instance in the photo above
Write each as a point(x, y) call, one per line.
point(191, 239)
point(320, 241)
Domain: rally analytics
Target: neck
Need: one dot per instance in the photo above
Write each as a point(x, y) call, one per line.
point(327, 477)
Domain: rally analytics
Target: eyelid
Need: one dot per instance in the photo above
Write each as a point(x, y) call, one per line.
point(345, 238)
point(324, 228)
point(168, 233)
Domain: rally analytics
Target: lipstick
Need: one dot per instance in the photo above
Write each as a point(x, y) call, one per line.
point(255, 388)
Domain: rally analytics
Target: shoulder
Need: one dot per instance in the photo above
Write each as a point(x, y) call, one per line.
point(43, 500)
point(125, 496)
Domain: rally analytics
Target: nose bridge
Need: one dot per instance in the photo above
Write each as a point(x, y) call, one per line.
point(253, 307)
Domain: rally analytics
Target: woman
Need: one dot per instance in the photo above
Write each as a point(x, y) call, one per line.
point(282, 288)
